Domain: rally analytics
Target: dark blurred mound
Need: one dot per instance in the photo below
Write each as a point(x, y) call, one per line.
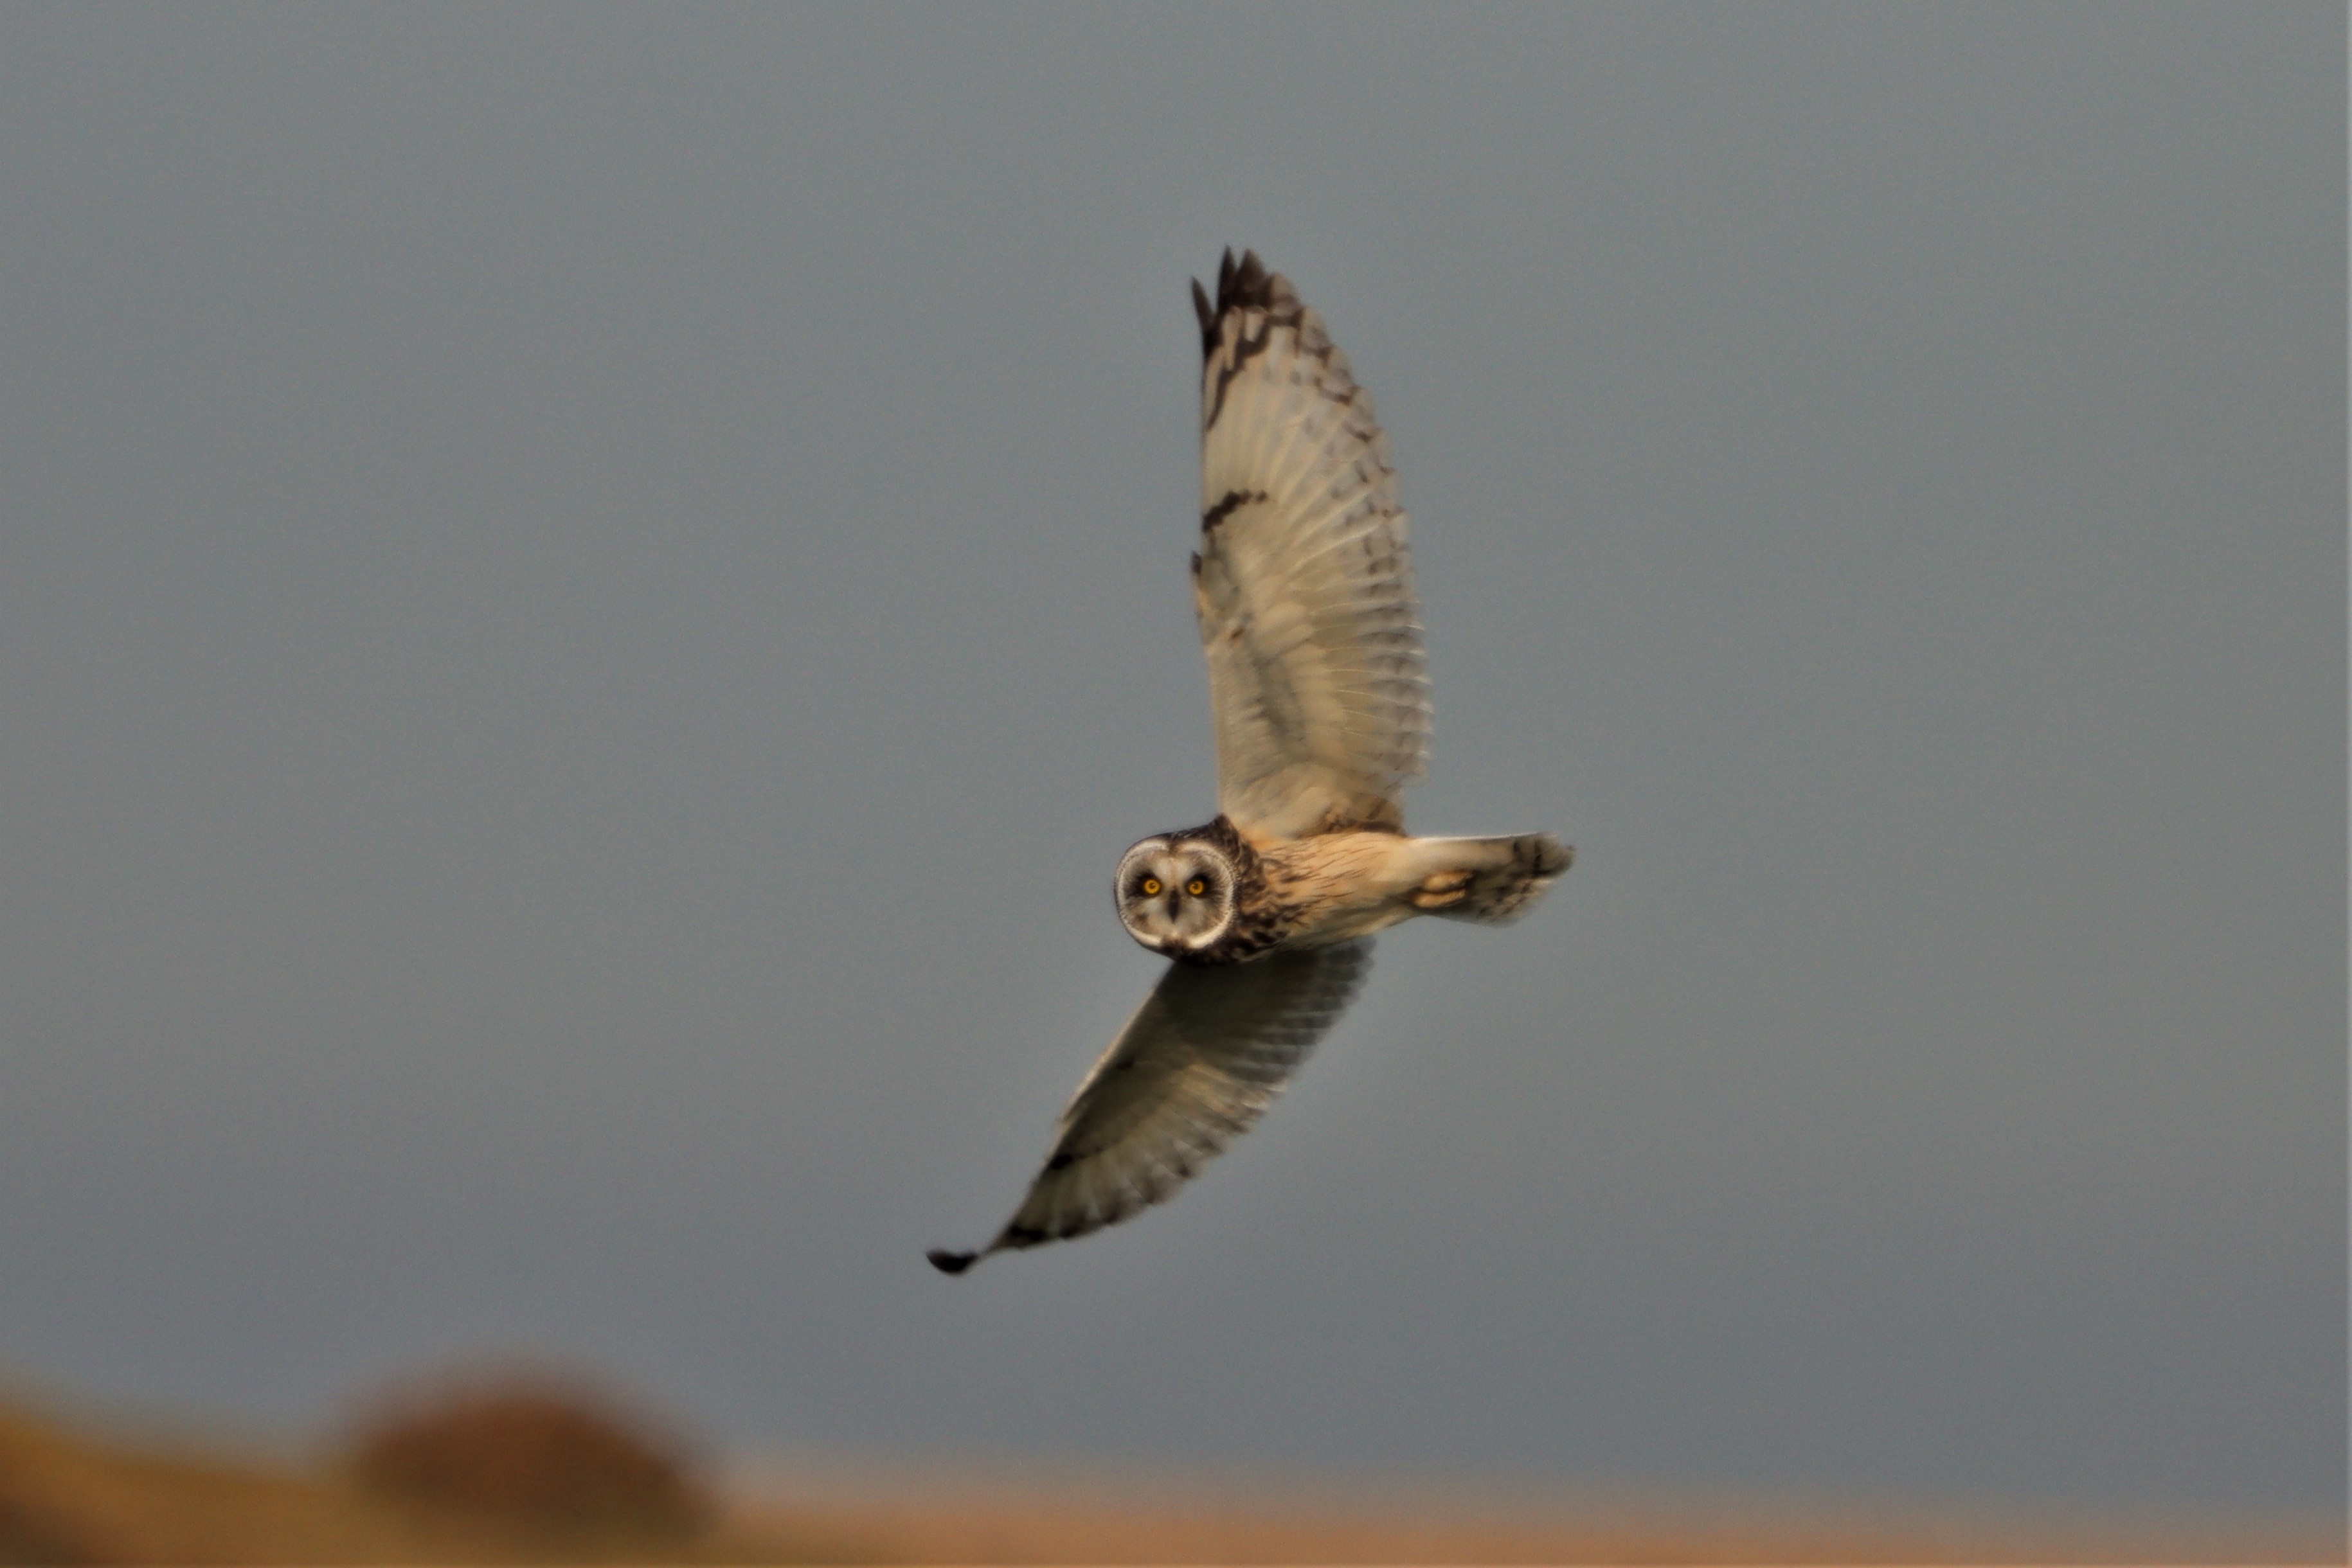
point(535, 1451)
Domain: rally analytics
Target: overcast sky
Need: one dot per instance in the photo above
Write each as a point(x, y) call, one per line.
point(589, 598)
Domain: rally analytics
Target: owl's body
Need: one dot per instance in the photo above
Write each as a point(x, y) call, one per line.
point(1303, 587)
point(1328, 888)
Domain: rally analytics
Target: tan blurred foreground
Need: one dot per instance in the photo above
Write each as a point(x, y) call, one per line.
point(916, 1518)
point(530, 1470)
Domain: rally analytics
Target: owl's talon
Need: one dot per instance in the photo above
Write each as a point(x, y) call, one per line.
point(1441, 890)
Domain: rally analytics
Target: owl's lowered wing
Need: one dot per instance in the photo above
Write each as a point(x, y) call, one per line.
point(1302, 583)
point(1205, 1054)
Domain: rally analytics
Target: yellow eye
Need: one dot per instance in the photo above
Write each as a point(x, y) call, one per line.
point(1197, 886)
point(1151, 887)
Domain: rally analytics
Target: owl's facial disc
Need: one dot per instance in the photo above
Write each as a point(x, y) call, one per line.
point(1175, 896)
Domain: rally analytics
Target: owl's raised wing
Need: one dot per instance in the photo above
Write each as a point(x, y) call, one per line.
point(1205, 1054)
point(1303, 585)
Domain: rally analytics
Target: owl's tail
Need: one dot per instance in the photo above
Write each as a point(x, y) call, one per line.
point(1494, 880)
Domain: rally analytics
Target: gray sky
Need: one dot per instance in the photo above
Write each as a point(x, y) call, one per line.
point(588, 598)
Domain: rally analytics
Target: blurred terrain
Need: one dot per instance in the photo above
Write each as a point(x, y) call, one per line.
point(508, 1467)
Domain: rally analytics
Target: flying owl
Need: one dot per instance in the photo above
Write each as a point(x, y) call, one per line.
point(1306, 603)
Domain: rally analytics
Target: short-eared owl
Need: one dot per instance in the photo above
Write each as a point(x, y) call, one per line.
point(1304, 595)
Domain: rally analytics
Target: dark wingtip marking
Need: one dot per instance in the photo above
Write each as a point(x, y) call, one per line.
point(1243, 285)
point(1061, 1161)
point(1208, 315)
point(948, 1262)
point(1248, 286)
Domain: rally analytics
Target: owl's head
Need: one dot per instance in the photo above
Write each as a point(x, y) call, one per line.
point(1176, 894)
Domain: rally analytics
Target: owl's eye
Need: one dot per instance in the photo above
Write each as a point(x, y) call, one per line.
point(1197, 886)
point(1150, 888)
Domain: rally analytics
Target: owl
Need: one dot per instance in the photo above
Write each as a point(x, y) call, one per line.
point(1266, 914)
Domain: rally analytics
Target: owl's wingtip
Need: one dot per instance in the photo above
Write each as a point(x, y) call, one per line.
point(1243, 285)
point(948, 1262)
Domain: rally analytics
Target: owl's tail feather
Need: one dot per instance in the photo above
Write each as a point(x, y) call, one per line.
point(1492, 881)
